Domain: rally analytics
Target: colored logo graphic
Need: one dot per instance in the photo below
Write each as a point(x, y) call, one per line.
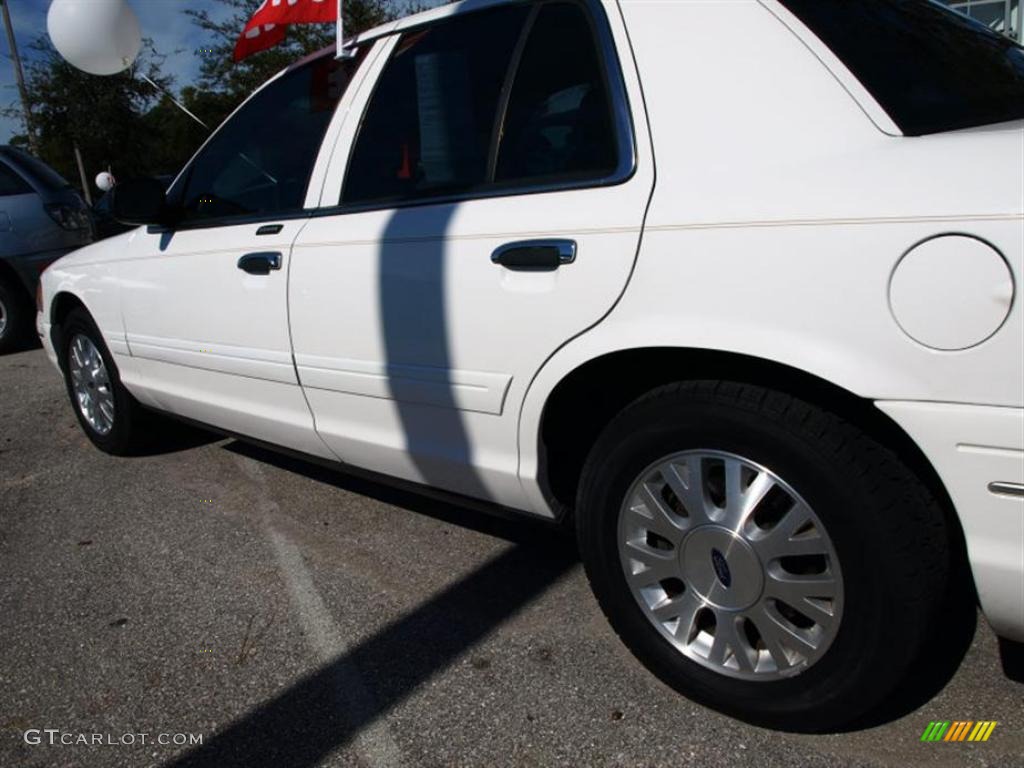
point(959, 730)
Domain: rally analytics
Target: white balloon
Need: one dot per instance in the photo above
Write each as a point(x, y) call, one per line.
point(101, 37)
point(105, 181)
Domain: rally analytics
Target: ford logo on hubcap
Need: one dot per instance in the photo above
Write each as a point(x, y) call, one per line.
point(721, 568)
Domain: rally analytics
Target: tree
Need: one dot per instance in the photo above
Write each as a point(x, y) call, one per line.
point(103, 116)
point(174, 135)
point(123, 122)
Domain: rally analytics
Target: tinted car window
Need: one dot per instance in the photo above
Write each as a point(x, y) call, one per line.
point(42, 175)
point(559, 121)
point(11, 183)
point(429, 127)
point(260, 161)
point(931, 69)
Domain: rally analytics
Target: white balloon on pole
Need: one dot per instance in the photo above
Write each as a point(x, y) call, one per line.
point(101, 37)
point(105, 181)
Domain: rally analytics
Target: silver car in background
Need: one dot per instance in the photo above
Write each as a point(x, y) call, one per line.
point(41, 218)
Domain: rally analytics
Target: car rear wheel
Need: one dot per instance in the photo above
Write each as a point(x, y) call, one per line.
point(759, 554)
point(110, 417)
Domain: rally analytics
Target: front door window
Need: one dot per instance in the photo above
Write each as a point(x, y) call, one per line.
point(260, 161)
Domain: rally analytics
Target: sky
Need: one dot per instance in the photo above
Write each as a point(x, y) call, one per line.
point(162, 20)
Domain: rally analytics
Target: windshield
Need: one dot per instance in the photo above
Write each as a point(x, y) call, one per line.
point(930, 68)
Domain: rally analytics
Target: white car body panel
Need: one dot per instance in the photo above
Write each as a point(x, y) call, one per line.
point(210, 342)
point(834, 64)
point(782, 204)
point(419, 388)
point(971, 447)
point(90, 274)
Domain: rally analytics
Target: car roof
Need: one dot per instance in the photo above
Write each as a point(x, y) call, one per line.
point(405, 23)
point(427, 17)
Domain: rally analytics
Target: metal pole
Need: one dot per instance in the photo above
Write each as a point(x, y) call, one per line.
point(81, 174)
point(339, 31)
point(341, 52)
point(26, 107)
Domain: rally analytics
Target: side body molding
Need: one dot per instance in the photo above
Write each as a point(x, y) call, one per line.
point(464, 390)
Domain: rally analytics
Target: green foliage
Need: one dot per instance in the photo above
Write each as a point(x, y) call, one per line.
point(175, 135)
point(102, 115)
point(124, 123)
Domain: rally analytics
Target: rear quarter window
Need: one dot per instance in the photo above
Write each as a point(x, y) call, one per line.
point(11, 183)
point(39, 172)
point(930, 68)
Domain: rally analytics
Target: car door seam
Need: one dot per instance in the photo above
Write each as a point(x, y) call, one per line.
point(639, 245)
point(291, 340)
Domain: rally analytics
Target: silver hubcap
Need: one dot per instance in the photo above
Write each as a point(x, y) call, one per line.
point(91, 384)
point(3, 318)
point(730, 565)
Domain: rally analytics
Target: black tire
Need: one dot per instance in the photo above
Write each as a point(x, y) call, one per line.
point(17, 311)
point(889, 536)
point(131, 424)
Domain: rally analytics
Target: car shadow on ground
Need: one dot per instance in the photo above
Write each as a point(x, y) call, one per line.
point(169, 435)
point(510, 526)
point(313, 718)
point(26, 344)
point(319, 714)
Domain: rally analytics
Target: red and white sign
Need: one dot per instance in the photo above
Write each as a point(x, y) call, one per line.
point(267, 26)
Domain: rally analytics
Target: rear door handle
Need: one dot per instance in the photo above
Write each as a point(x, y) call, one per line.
point(260, 263)
point(535, 254)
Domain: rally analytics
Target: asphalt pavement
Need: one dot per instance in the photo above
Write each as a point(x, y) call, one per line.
point(288, 615)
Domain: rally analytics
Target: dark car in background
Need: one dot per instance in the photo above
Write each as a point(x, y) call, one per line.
point(42, 218)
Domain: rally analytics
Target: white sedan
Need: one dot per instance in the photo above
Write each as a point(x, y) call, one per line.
point(730, 286)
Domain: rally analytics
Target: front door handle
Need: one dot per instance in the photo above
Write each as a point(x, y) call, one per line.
point(535, 254)
point(260, 263)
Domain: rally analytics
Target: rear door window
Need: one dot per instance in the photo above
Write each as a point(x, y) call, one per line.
point(559, 122)
point(930, 68)
point(428, 129)
point(516, 97)
point(11, 183)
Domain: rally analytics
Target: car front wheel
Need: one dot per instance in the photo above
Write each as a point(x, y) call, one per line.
point(109, 415)
point(759, 554)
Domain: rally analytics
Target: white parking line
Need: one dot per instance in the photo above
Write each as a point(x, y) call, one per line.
point(374, 741)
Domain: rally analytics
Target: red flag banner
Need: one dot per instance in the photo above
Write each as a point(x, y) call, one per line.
point(267, 26)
